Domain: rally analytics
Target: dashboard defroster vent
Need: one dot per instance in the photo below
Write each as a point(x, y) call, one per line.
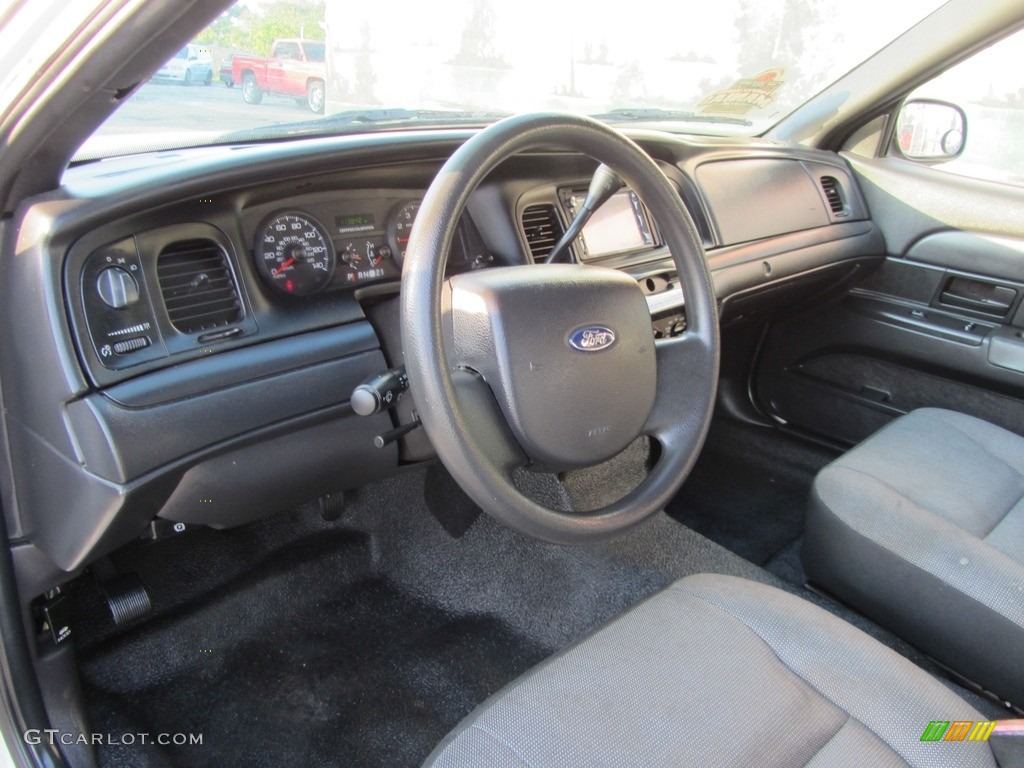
point(830, 186)
point(197, 286)
point(542, 228)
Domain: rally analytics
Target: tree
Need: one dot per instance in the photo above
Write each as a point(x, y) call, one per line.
point(365, 77)
point(601, 57)
point(629, 88)
point(242, 28)
point(222, 28)
point(476, 48)
point(787, 34)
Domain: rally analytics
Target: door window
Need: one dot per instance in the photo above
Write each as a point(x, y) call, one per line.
point(989, 87)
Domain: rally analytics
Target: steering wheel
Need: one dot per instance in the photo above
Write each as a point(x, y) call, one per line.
point(555, 367)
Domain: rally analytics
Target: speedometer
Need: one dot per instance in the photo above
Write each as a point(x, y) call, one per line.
point(294, 253)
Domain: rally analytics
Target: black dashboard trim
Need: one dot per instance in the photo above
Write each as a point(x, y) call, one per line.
point(119, 443)
point(237, 366)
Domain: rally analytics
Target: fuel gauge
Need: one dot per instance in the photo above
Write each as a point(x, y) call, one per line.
point(353, 256)
point(363, 261)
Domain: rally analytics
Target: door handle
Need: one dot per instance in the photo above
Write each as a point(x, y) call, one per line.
point(979, 296)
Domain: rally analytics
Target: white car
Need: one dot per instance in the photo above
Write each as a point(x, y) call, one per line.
point(192, 64)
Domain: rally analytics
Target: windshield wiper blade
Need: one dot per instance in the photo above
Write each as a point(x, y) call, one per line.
point(639, 114)
point(325, 126)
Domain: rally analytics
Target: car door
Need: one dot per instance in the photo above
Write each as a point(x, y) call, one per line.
point(311, 66)
point(282, 58)
point(940, 322)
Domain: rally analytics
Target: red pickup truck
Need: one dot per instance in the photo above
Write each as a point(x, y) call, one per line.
point(295, 68)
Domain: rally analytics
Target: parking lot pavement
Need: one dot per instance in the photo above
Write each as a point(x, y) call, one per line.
point(163, 108)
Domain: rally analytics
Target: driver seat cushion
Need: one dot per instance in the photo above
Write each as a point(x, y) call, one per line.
point(717, 670)
point(921, 528)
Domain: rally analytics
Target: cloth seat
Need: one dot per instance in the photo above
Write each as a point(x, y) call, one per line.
point(921, 528)
point(717, 671)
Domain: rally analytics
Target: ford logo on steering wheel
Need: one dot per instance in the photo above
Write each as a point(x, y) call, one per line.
point(591, 338)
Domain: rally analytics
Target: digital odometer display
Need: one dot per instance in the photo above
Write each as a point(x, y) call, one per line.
point(617, 226)
point(355, 222)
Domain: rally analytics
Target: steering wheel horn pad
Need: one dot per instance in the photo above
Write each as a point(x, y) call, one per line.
point(558, 344)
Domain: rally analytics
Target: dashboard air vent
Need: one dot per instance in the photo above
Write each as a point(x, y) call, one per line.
point(197, 286)
point(830, 186)
point(542, 228)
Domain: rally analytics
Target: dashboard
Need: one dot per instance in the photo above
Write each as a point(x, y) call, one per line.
point(147, 298)
point(208, 312)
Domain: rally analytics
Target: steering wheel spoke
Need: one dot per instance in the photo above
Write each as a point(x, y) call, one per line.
point(684, 365)
point(493, 437)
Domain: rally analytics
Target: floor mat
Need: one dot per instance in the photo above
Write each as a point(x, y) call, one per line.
point(748, 491)
point(312, 661)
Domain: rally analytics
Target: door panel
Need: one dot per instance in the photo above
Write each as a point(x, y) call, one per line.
point(939, 324)
point(908, 201)
point(956, 249)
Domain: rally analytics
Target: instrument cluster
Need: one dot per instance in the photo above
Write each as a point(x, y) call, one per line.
point(347, 243)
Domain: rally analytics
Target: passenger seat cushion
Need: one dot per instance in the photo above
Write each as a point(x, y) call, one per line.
point(921, 527)
point(716, 670)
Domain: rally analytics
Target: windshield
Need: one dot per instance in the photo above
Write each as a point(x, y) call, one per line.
point(288, 67)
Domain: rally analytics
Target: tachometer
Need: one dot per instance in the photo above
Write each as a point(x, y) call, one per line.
point(399, 227)
point(294, 253)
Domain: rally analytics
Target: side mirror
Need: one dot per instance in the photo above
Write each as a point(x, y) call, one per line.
point(930, 131)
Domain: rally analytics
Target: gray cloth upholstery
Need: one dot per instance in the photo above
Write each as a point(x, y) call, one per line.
point(717, 671)
point(921, 528)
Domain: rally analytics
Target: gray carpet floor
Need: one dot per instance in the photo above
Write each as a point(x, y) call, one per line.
point(363, 641)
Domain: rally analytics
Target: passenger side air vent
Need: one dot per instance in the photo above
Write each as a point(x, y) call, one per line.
point(833, 193)
point(197, 286)
point(542, 228)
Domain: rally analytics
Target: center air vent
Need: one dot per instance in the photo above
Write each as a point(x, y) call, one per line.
point(830, 186)
point(542, 228)
point(197, 286)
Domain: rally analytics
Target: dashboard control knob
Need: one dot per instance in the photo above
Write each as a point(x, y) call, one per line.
point(117, 287)
point(131, 345)
point(380, 392)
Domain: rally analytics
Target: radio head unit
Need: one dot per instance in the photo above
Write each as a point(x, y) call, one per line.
point(621, 225)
